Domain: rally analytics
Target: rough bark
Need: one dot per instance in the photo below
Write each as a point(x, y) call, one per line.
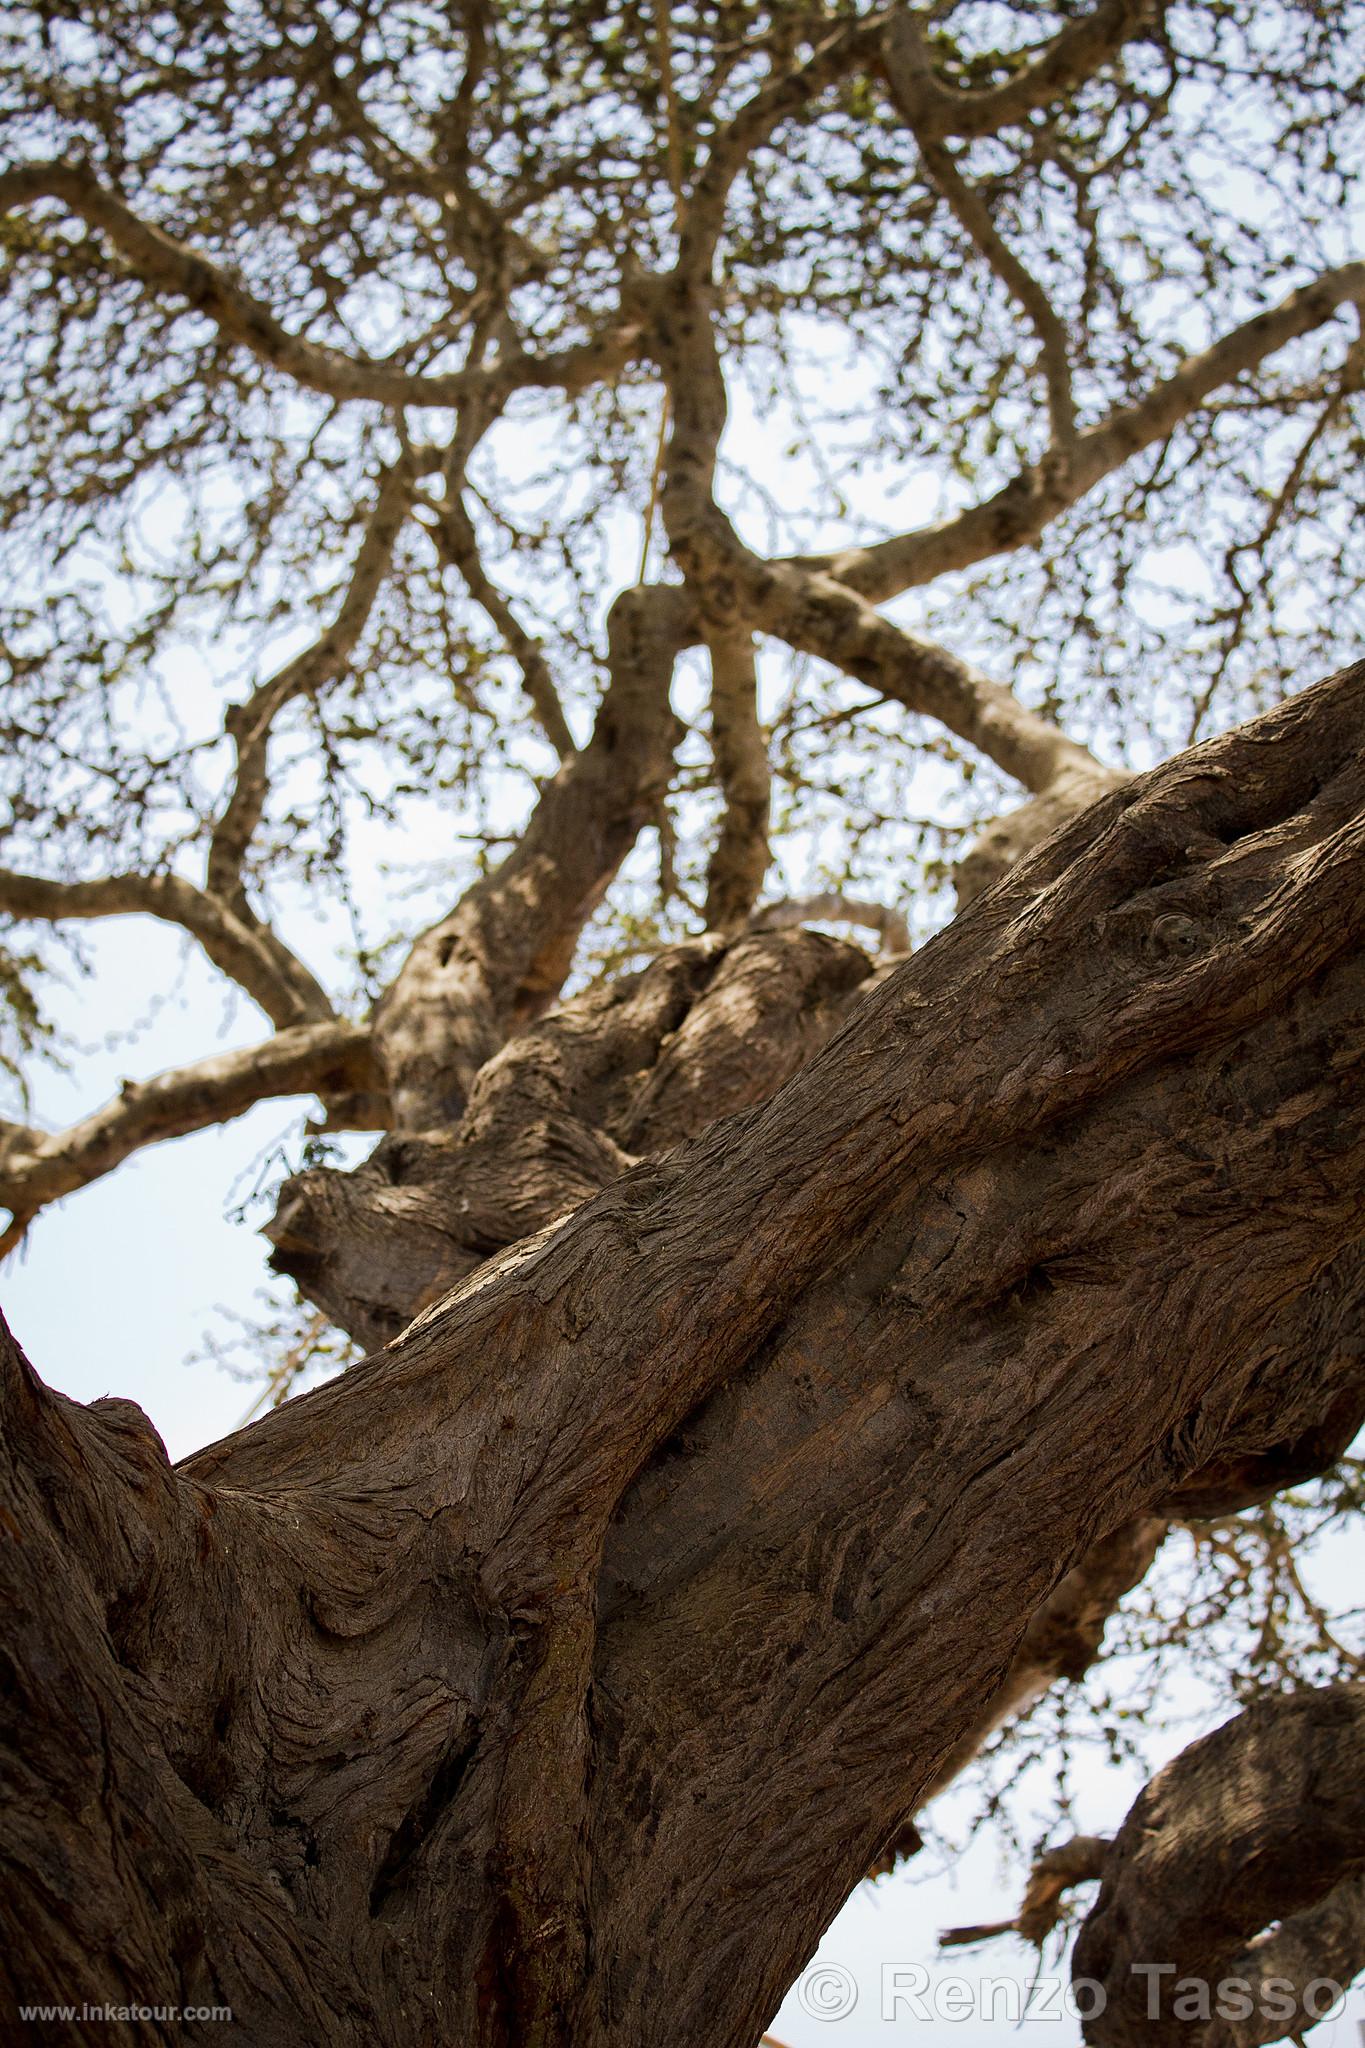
point(1240, 1864)
point(552, 1675)
point(622, 1072)
point(1061, 1642)
point(740, 748)
point(834, 907)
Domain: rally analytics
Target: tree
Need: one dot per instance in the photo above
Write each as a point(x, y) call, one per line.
point(782, 1360)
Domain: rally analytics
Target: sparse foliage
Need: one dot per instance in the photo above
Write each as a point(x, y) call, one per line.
point(511, 517)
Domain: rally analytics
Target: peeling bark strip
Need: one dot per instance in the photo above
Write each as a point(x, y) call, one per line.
point(551, 1676)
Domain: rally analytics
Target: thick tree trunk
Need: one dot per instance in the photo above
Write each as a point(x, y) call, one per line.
point(552, 1676)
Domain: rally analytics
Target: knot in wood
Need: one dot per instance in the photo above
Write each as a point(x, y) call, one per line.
point(1173, 935)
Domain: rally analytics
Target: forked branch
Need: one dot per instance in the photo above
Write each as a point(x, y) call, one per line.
point(936, 109)
point(498, 959)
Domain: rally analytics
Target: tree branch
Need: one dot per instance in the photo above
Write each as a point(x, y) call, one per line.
point(1063, 1638)
point(893, 42)
point(1016, 832)
point(167, 265)
point(1077, 1861)
point(1322, 1946)
point(702, 216)
point(739, 860)
point(243, 949)
point(821, 614)
point(1321, 1325)
point(249, 724)
point(498, 959)
point(975, 217)
point(625, 1070)
point(818, 615)
point(991, 1278)
point(16, 1139)
point(723, 1503)
point(1018, 513)
point(935, 109)
point(1061, 1642)
point(458, 544)
point(332, 1058)
point(833, 907)
point(1261, 1822)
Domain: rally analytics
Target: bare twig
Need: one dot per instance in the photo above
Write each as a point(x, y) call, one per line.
point(936, 109)
point(167, 265)
point(249, 724)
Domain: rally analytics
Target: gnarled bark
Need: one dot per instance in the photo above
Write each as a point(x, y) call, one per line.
point(499, 958)
point(552, 1675)
point(622, 1072)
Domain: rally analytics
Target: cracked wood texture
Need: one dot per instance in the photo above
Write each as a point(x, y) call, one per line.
point(551, 1676)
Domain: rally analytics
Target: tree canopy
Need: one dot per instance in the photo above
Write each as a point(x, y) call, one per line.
point(340, 341)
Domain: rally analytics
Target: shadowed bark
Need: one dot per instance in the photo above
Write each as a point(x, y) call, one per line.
point(1062, 1641)
point(620, 1073)
point(552, 1675)
point(783, 1363)
point(1233, 1890)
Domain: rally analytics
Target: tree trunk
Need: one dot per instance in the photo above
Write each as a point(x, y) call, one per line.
point(553, 1675)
